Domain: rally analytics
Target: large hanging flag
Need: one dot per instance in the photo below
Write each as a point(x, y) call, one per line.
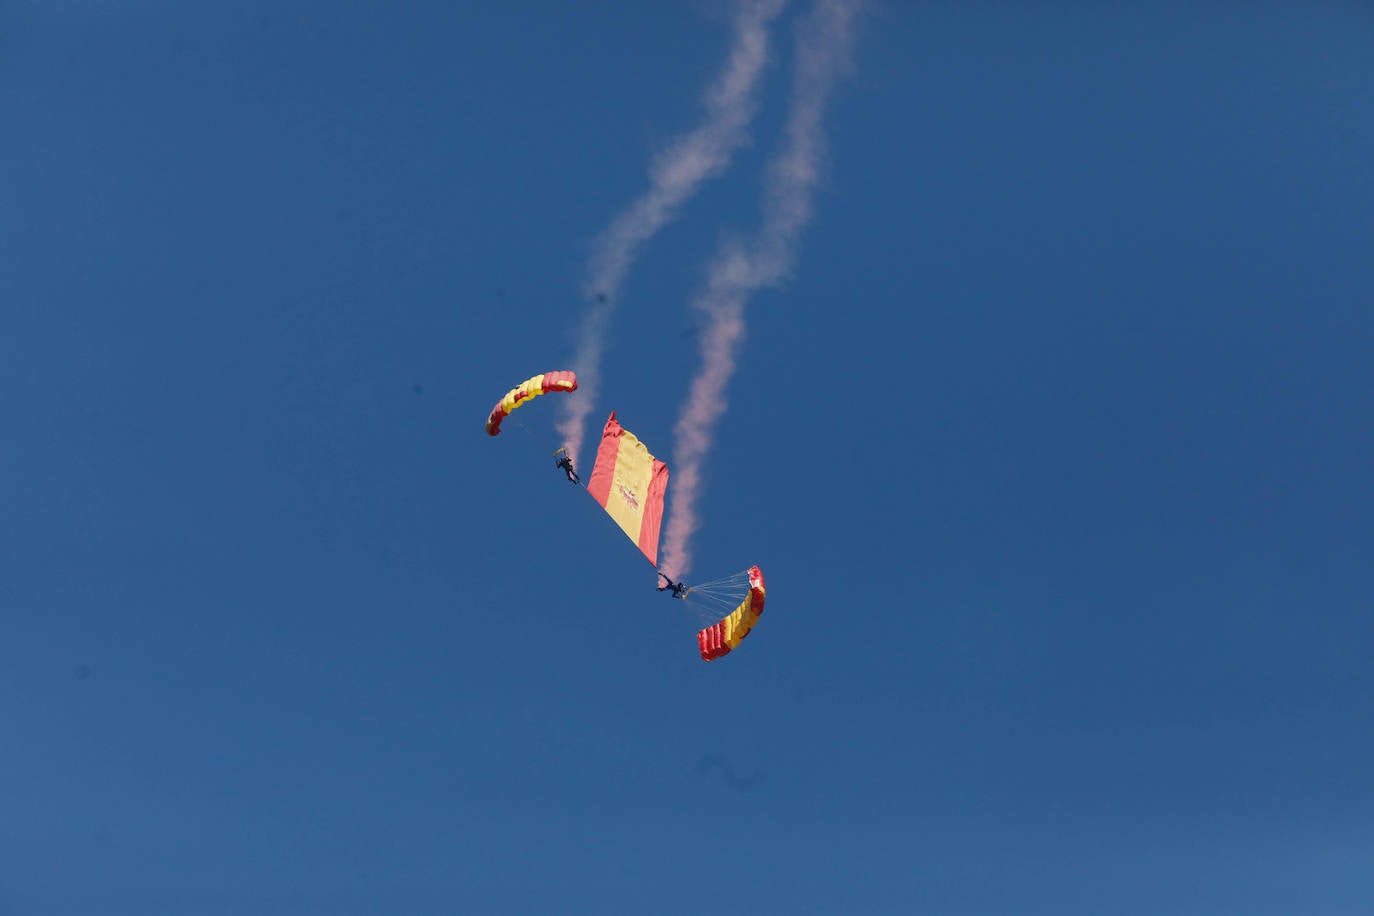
point(629, 484)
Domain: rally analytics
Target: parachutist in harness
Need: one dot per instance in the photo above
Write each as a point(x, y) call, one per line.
point(565, 462)
point(679, 589)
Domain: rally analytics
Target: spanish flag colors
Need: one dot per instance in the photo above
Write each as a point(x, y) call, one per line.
point(526, 390)
point(629, 483)
point(719, 638)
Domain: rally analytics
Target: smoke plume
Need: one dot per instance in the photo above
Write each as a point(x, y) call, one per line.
point(741, 268)
point(674, 176)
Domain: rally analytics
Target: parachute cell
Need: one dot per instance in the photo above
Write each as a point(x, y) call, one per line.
point(724, 635)
point(527, 390)
point(629, 483)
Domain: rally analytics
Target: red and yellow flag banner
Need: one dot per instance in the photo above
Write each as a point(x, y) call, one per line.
point(629, 483)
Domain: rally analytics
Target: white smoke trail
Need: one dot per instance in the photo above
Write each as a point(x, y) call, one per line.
point(674, 176)
point(738, 270)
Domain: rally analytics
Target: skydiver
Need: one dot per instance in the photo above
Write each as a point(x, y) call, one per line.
point(565, 462)
point(679, 589)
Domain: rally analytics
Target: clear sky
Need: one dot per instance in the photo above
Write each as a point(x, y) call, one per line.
point(1055, 442)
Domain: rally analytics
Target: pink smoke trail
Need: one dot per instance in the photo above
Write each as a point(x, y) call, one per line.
point(738, 270)
point(674, 176)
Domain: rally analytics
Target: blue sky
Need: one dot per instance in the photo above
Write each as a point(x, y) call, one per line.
point(1055, 446)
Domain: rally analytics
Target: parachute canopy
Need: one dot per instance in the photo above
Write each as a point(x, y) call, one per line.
point(629, 483)
point(724, 635)
point(527, 390)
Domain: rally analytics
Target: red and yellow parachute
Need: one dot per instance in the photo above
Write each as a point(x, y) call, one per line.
point(721, 637)
point(630, 484)
point(527, 390)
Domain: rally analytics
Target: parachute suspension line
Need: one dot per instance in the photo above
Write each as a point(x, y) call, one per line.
point(727, 584)
point(710, 600)
point(516, 420)
point(707, 610)
point(533, 439)
point(716, 602)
